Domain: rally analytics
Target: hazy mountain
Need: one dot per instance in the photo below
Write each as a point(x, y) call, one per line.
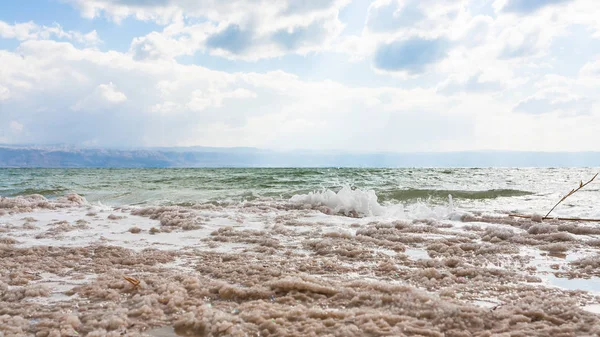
point(69, 156)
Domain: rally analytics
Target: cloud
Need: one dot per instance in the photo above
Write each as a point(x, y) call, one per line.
point(105, 95)
point(565, 96)
point(308, 6)
point(518, 44)
point(460, 63)
point(476, 83)
point(556, 83)
point(385, 16)
point(411, 56)
point(297, 38)
point(591, 70)
point(432, 18)
point(116, 100)
point(478, 37)
point(19, 31)
point(477, 31)
point(167, 107)
point(548, 101)
point(110, 94)
point(164, 11)
point(528, 6)
point(201, 100)
point(238, 29)
point(233, 39)
point(32, 31)
point(164, 103)
point(408, 36)
point(4, 93)
point(175, 40)
point(16, 126)
point(157, 46)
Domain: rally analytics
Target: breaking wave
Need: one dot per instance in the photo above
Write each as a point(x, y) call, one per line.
point(344, 201)
point(365, 202)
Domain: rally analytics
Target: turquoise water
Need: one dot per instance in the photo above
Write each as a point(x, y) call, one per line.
point(490, 188)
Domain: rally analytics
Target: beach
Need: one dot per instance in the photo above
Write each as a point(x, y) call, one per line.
point(331, 262)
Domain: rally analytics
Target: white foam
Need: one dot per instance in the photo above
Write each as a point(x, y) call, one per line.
point(344, 201)
point(365, 203)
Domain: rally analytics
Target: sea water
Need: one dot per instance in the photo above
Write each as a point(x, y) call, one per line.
point(369, 191)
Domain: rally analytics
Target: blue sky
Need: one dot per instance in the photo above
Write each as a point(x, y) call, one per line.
point(383, 75)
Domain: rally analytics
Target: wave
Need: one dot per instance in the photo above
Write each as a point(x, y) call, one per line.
point(415, 194)
point(345, 200)
point(410, 203)
point(351, 201)
point(46, 192)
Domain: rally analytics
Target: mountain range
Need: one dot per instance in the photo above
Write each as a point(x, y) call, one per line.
point(66, 156)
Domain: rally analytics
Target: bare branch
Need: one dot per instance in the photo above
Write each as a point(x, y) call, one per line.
point(581, 185)
point(523, 216)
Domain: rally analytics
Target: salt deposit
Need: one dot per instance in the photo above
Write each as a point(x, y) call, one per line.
point(290, 268)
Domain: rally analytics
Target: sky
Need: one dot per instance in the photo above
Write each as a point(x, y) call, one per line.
point(353, 75)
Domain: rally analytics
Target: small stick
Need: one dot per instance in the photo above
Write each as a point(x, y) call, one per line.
point(544, 218)
point(581, 185)
point(134, 282)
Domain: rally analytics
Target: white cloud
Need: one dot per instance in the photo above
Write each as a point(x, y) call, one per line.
point(591, 70)
point(548, 101)
point(554, 82)
point(498, 44)
point(110, 93)
point(105, 95)
point(427, 18)
point(164, 11)
point(31, 31)
point(19, 31)
point(239, 29)
point(258, 29)
point(561, 95)
point(16, 126)
point(525, 6)
point(201, 100)
point(238, 41)
point(156, 46)
point(410, 56)
point(471, 83)
point(90, 38)
point(4, 93)
point(172, 104)
point(490, 77)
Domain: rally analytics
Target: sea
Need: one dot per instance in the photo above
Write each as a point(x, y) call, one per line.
point(404, 192)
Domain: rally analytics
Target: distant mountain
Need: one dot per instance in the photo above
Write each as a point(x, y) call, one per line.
point(65, 156)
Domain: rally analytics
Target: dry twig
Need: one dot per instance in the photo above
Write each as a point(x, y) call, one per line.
point(134, 282)
point(581, 185)
point(562, 219)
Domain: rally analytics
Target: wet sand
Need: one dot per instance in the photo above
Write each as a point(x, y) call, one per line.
point(270, 268)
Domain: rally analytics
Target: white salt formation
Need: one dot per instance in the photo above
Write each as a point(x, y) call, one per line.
point(319, 264)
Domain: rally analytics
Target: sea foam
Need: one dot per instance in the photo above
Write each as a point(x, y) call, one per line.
point(345, 200)
point(365, 202)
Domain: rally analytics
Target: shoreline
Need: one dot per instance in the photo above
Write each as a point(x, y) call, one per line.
point(275, 268)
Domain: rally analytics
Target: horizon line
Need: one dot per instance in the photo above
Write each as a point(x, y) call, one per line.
point(248, 148)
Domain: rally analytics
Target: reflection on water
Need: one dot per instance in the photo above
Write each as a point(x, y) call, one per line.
point(417, 254)
point(593, 308)
point(167, 331)
point(591, 284)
